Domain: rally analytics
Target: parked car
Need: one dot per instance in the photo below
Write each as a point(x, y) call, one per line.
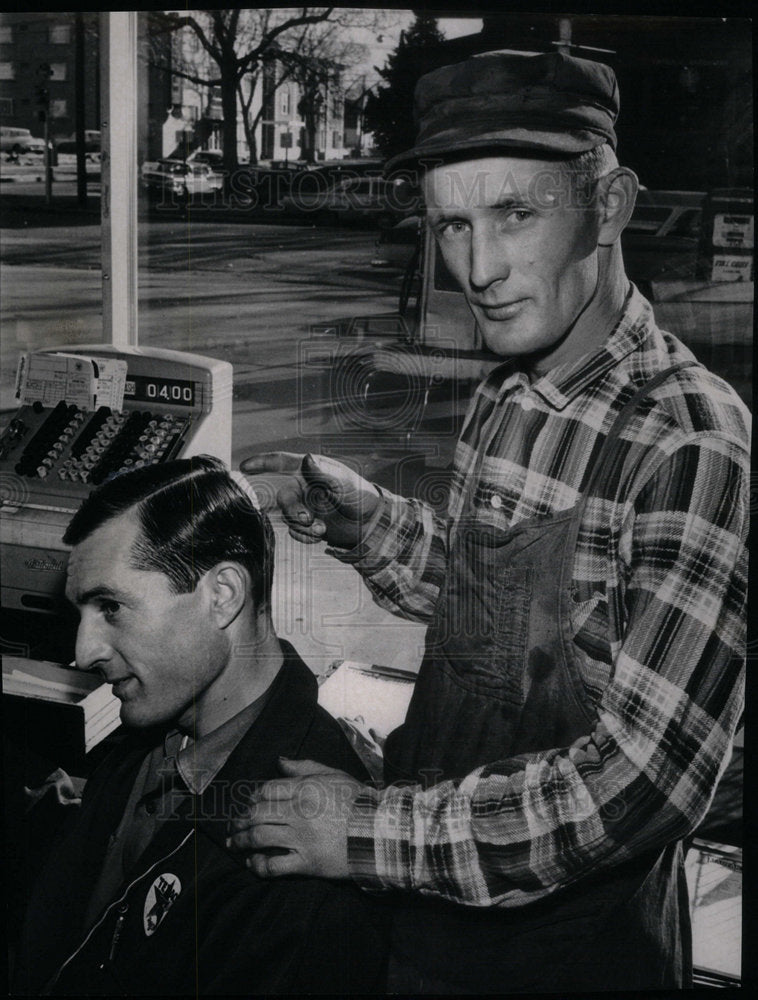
point(397, 245)
point(15, 141)
point(356, 198)
point(252, 187)
point(331, 171)
point(213, 157)
point(91, 135)
point(661, 239)
point(178, 179)
point(65, 153)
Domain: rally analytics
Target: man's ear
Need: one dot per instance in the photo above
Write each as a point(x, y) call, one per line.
point(617, 193)
point(227, 589)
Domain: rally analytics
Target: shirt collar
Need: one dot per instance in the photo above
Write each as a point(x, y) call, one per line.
point(564, 382)
point(199, 761)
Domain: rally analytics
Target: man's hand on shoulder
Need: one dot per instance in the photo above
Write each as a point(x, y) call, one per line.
point(305, 814)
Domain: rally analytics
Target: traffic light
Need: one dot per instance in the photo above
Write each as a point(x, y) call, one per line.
point(42, 98)
point(42, 91)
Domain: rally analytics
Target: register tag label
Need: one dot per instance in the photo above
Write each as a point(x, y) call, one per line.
point(72, 378)
point(51, 378)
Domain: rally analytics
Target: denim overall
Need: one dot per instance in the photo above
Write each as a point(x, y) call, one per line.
point(500, 677)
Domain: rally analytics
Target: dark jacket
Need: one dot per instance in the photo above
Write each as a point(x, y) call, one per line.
point(226, 931)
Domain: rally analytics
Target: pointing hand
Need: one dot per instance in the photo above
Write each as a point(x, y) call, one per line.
point(323, 501)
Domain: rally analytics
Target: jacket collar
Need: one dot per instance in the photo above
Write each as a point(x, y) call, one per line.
point(279, 730)
point(282, 725)
point(198, 762)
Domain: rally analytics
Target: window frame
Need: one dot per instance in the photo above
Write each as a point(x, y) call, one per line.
point(119, 176)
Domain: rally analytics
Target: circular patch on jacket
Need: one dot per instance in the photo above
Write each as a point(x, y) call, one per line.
point(160, 897)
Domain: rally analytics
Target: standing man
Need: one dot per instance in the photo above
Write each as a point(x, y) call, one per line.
point(171, 572)
point(583, 673)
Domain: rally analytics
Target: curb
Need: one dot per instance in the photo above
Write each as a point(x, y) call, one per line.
point(59, 177)
point(23, 178)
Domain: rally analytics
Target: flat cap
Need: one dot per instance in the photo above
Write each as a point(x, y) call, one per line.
point(550, 103)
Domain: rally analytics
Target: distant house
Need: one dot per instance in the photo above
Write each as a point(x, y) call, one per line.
point(193, 114)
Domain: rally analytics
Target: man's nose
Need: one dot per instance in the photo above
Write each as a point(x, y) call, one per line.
point(92, 649)
point(489, 259)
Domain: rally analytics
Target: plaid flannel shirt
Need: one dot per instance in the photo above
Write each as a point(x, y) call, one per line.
point(659, 581)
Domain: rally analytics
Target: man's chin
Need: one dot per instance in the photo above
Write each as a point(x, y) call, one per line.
point(506, 341)
point(137, 717)
point(129, 717)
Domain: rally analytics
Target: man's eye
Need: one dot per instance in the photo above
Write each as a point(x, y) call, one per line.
point(110, 608)
point(451, 230)
point(519, 215)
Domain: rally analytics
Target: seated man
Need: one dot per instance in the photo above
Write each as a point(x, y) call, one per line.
point(171, 571)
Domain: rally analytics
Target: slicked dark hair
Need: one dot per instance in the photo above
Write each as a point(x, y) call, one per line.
point(192, 516)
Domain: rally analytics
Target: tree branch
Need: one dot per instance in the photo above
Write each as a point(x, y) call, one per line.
point(170, 23)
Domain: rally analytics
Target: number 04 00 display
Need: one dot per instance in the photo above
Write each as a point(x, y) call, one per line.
point(159, 390)
point(172, 393)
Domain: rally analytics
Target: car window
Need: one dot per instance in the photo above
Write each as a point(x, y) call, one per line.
point(649, 218)
point(688, 223)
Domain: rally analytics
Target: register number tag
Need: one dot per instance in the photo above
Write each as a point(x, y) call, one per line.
point(86, 382)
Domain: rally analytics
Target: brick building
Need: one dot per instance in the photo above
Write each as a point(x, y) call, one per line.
point(32, 41)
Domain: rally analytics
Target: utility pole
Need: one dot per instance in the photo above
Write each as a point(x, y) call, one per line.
point(360, 104)
point(81, 153)
point(44, 72)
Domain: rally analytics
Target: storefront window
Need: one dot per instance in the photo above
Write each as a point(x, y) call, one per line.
point(50, 259)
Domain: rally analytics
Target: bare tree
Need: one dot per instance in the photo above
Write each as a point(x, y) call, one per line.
point(318, 57)
point(232, 46)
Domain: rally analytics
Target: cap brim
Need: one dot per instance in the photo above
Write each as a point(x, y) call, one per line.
point(517, 140)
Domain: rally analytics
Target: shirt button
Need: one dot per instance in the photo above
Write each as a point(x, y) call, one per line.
point(496, 501)
point(527, 403)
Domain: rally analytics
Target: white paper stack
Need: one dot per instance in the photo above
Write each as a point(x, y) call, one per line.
point(87, 708)
point(375, 695)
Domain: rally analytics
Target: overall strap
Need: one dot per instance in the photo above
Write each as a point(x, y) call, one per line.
point(622, 418)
